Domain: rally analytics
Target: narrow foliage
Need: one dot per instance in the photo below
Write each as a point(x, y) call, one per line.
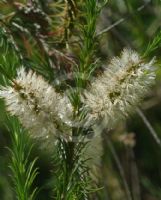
point(23, 171)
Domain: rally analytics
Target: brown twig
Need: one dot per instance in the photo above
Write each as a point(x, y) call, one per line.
point(139, 9)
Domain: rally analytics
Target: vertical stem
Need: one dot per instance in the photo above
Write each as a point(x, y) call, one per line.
point(72, 164)
point(122, 174)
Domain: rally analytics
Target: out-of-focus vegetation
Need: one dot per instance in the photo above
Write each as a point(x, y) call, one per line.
point(131, 162)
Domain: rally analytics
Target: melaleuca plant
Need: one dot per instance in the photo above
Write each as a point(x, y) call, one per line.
point(60, 95)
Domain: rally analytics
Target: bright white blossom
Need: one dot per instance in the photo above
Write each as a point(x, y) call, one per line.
point(111, 97)
point(36, 103)
point(114, 94)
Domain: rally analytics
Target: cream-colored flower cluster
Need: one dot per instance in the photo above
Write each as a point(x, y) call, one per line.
point(110, 97)
point(38, 106)
point(114, 94)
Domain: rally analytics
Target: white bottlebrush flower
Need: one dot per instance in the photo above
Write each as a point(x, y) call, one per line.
point(36, 104)
point(114, 94)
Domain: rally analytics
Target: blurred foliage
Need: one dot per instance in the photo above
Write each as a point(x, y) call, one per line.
point(45, 34)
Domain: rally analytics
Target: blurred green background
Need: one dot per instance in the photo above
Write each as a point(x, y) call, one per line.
point(131, 161)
